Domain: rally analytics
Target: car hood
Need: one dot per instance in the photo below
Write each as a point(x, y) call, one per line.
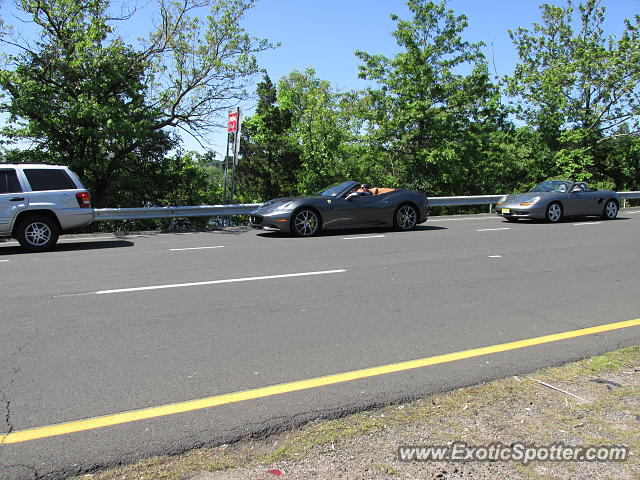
point(276, 202)
point(522, 197)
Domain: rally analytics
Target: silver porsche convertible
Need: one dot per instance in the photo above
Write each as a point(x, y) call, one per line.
point(341, 206)
point(554, 200)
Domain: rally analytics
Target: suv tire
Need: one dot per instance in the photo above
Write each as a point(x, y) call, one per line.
point(37, 233)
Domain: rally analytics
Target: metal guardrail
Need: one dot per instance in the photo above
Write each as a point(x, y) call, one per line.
point(464, 201)
point(174, 212)
point(104, 214)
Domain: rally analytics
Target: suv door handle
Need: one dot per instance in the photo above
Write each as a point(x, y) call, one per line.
point(16, 199)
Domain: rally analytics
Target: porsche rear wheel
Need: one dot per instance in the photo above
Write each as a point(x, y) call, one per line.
point(610, 211)
point(305, 223)
point(554, 212)
point(406, 217)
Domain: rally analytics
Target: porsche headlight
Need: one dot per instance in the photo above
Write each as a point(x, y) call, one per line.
point(531, 201)
point(502, 199)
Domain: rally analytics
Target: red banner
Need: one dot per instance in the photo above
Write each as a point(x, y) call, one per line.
point(232, 124)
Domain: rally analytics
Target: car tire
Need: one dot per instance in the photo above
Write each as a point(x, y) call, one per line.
point(38, 233)
point(554, 213)
point(405, 217)
point(610, 210)
point(305, 222)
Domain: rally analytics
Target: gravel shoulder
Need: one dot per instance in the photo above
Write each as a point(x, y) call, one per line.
point(592, 402)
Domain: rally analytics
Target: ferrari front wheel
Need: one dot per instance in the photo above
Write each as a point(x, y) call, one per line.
point(405, 218)
point(305, 223)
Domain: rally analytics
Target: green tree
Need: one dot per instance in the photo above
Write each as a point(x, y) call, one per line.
point(85, 98)
point(270, 157)
point(578, 85)
point(428, 120)
point(319, 126)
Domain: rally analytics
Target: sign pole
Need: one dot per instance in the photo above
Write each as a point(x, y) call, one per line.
point(236, 147)
point(232, 126)
point(226, 169)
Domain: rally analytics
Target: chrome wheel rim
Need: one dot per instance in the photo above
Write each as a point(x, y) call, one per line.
point(37, 234)
point(611, 210)
point(406, 217)
point(306, 223)
point(555, 212)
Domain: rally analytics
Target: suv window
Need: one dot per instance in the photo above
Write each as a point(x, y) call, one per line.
point(48, 179)
point(9, 182)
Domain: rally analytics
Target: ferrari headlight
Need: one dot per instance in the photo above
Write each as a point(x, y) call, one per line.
point(284, 206)
point(531, 201)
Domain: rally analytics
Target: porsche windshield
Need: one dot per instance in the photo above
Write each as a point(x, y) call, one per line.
point(334, 190)
point(556, 186)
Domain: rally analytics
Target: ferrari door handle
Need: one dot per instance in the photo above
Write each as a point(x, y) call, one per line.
point(16, 199)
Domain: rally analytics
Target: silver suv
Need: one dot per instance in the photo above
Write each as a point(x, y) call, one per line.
point(39, 202)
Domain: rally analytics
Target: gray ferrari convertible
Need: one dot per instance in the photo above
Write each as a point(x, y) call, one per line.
point(555, 199)
point(341, 206)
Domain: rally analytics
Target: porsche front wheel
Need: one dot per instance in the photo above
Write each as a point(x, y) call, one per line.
point(610, 211)
point(554, 213)
point(305, 223)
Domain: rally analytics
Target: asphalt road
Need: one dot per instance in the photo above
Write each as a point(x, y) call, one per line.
point(111, 324)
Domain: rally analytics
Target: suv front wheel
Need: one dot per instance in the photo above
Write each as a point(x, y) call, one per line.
point(37, 233)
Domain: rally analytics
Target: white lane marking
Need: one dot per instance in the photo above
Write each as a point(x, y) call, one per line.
point(495, 256)
point(587, 223)
point(4, 261)
point(493, 229)
point(214, 282)
point(193, 248)
point(368, 236)
point(637, 211)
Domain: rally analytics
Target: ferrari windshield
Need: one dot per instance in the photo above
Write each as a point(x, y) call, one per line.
point(335, 190)
point(557, 186)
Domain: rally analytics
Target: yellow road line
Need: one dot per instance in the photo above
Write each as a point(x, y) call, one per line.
point(208, 402)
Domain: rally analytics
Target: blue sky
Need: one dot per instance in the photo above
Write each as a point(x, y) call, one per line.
point(324, 34)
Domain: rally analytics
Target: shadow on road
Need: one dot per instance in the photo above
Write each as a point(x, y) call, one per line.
point(529, 221)
point(353, 231)
point(68, 247)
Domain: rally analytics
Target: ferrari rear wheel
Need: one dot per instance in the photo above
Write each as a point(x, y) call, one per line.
point(610, 211)
point(406, 217)
point(554, 213)
point(306, 223)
